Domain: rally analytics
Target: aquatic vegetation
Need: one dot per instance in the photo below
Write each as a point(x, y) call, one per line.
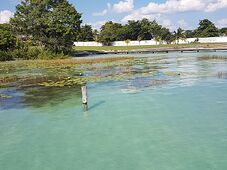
point(41, 96)
point(207, 58)
point(2, 96)
point(60, 62)
point(173, 74)
point(65, 82)
point(156, 82)
point(56, 73)
point(77, 72)
point(222, 75)
point(3, 86)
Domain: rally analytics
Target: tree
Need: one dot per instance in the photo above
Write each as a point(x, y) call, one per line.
point(223, 31)
point(95, 35)
point(108, 33)
point(127, 41)
point(206, 29)
point(145, 32)
point(122, 34)
point(85, 33)
point(53, 24)
point(165, 35)
point(179, 35)
point(7, 38)
point(139, 38)
point(157, 39)
point(189, 34)
point(155, 29)
point(134, 29)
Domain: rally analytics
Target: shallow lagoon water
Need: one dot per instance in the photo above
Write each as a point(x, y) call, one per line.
point(173, 118)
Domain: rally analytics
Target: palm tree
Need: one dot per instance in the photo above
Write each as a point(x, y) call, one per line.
point(96, 35)
point(157, 39)
point(127, 41)
point(179, 35)
point(139, 38)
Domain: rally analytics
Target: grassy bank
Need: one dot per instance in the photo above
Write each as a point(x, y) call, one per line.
point(128, 48)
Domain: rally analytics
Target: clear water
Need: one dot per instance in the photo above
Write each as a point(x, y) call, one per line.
point(155, 122)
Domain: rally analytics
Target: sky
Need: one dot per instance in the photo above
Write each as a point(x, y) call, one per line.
point(170, 13)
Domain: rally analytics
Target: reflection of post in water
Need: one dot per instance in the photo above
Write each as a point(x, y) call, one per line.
point(84, 97)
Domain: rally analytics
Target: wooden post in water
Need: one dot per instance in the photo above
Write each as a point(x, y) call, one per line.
point(84, 97)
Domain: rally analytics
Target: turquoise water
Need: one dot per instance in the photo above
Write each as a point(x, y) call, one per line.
point(159, 121)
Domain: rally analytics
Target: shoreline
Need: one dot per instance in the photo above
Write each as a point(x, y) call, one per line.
point(183, 48)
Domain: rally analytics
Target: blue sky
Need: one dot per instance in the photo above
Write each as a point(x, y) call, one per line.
point(170, 13)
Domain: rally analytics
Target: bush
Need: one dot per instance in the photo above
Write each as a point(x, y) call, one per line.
point(33, 52)
point(47, 54)
point(7, 38)
point(30, 53)
point(5, 56)
point(19, 53)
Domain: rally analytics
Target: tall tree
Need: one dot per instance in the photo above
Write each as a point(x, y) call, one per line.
point(95, 33)
point(145, 32)
point(189, 34)
point(206, 29)
point(7, 38)
point(108, 32)
point(166, 35)
point(179, 35)
point(155, 29)
point(85, 33)
point(134, 28)
point(223, 31)
point(53, 24)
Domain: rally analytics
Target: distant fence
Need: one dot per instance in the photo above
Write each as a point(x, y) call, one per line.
point(153, 42)
point(90, 43)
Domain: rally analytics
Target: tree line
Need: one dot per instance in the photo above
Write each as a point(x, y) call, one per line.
point(147, 30)
point(47, 29)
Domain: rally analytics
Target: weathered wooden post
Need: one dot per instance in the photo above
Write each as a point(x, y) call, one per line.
point(84, 97)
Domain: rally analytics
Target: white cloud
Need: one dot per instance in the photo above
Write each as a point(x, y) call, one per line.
point(222, 23)
point(104, 12)
point(160, 11)
point(15, 1)
point(123, 6)
point(176, 6)
point(120, 7)
point(171, 6)
point(167, 23)
point(5, 16)
point(183, 24)
point(216, 5)
point(97, 25)
point(138, 16)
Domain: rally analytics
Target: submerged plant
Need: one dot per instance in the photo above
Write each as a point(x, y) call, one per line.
point(57, 73)
point(204, 58)
point(65, 82)
point(4, 86)
point(2, 96)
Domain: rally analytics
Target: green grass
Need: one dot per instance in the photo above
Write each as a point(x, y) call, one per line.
point(128, 48)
